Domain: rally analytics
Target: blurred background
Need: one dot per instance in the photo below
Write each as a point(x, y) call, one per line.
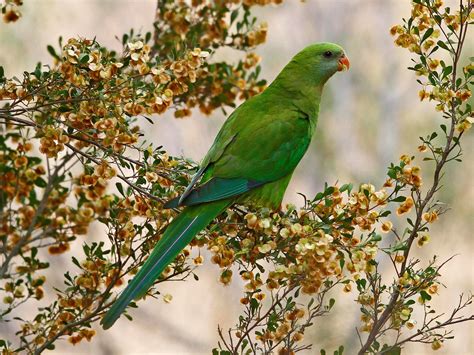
point(369, 117)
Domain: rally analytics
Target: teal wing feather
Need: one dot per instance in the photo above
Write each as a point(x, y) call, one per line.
point(178, 234)
point(213, 190)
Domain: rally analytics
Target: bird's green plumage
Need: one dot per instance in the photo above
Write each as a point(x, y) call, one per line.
point(251, 160)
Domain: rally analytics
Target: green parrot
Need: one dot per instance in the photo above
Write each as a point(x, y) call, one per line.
point(251, 160)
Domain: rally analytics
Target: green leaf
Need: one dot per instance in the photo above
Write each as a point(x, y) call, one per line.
point(376, 345)
point(448, 70)
point(124, 39)
point(120, 188)
point(399, 199)
point(234, 15)
point(443, 45)
point(346, 187)
point(76, 262)
point(376, 238)
point(443, 127)
point(361, 283)
point(395, 350)
point(52, 51)
point(425, 296)
point(37, 71)
point(332, 302)
point(428, 33)
point(40, 182)
point(83, 58)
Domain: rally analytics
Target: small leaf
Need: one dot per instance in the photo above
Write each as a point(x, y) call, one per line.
point(443, 45)
point(346, 187)
point(399, 199)
point(425, 296)
point(428, 33)
point(40, 182)
point(396, 350)
point(332, 302)
point(234, 15)
point(83, 58)
point(376, 238)
point(120, 188)
point(52, 51)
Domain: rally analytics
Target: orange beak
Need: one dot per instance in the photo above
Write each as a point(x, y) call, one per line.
point(344, 64)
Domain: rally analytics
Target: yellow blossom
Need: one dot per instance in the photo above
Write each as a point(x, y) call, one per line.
point(167, 298)
point(430, 217)
point(436, 344)
point(424, 239)
point(423, 94)
point(387, 226)
point(433, 63)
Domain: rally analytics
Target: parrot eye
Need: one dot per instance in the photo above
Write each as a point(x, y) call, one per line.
point(328, 54)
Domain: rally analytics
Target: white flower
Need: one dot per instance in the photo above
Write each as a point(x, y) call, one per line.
point(265, 248)
point(266, 223)
point(95, 67)
point(135, 45)
point(71, 53)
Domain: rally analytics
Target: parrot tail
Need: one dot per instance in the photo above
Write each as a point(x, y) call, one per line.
point(178, 234)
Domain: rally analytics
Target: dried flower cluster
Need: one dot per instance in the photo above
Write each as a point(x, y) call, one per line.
point(10, 10)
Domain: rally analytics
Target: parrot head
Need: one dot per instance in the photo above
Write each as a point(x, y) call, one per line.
point(318, 62)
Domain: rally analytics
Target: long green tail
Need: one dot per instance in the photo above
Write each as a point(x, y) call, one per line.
point(178, 234)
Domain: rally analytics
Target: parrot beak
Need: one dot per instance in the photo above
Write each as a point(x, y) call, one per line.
point(344, 63)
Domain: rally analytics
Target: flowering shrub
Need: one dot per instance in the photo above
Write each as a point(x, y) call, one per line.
point(72, 153)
